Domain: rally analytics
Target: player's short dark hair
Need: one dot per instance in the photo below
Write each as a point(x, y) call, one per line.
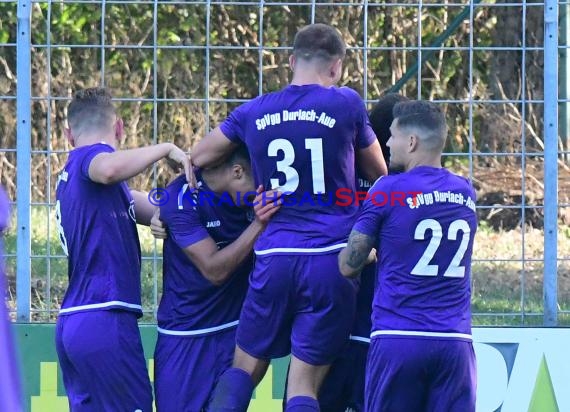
point(424, 116)
point(91, 108)
point(318, 41)
point(381, 117)
point(240, 156)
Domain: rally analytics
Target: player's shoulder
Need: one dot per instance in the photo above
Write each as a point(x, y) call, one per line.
point(246, 108)
point(175, 195)
point(80, 158)
point(350, 95)
point(384, 182)
point(348, 92)
point(81, 153)
point(177, 184)
point(96, 147)
point(462, 182)
point(264, 98)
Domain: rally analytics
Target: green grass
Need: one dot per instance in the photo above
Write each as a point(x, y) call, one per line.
point(49, 274)
point(497, 286)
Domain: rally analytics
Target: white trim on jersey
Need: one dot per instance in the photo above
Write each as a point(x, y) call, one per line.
point(300, 250)
point(197, 331)
point(100, 306)
point(181, 196)
point(359, 339)
point(421, 333)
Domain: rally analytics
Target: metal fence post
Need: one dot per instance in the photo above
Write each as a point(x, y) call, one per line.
point(550, 162)
point(23, 160)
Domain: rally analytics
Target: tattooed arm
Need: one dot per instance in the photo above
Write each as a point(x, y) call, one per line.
point(358, 253)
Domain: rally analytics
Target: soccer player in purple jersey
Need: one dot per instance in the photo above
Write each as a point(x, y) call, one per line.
point(207, 260)
point(304, 140)
point(343, 388)
point(10, 390)
point(421, 353)
point(97, 337)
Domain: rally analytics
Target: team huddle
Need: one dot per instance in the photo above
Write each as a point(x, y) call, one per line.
point(371, 300)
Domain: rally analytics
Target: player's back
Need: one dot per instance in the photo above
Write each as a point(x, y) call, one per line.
point(425, 256)
point(97, 228)
point(302, 140)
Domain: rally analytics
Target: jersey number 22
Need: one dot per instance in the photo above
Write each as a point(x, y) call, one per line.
point(454, 270)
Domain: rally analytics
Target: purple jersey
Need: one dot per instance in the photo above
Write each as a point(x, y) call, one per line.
point(189, 301)
point(425, 252)
point(10, 391)
point(302, 140)
point(363, 323)
point(98, 232)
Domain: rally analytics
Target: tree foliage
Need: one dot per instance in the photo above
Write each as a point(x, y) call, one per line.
point(178, 68)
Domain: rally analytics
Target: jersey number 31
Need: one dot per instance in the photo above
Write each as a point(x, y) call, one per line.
point(315, 146)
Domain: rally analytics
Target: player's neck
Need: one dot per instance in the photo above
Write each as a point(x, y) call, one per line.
point(303, 78)
point(426, 160)
point(214, 179)
point(94, 138)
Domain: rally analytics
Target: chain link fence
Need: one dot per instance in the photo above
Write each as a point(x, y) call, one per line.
point(176, 68)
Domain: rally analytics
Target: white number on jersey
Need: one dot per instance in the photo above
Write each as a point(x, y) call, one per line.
point(454, 270)
point(315, 146)
point(62, 238)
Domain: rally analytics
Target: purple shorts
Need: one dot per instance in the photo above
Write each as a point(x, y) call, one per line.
point(297, 304)
point(420, 374)
point(343, 387)
point(186, 369)
point(102, 360)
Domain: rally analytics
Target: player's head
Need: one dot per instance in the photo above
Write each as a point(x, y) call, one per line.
point(238, 173)
point(418, 135)
point(319, 47)
point(91, 115)
point(381, 117)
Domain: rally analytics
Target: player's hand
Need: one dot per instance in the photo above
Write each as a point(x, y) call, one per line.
point(177, 159)
point(372, 258)
point(157, 227)
point(266, 204)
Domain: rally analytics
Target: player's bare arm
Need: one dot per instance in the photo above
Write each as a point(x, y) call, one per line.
point(212, 149)
point(370, 162)
point(109, 168)
point(358, 253)
point(217, 265)
point(144, 210)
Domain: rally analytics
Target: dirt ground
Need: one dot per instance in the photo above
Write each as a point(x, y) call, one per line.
point(500, 189)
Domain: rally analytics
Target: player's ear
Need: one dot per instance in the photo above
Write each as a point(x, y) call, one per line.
point(119, 129)
point(413, 141)
point(292, 61)
point(69, 136)
point(237, 171)
point(336, 70)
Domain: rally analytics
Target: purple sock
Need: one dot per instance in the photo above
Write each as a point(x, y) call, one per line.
point(232, 392)
point(302, 404)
